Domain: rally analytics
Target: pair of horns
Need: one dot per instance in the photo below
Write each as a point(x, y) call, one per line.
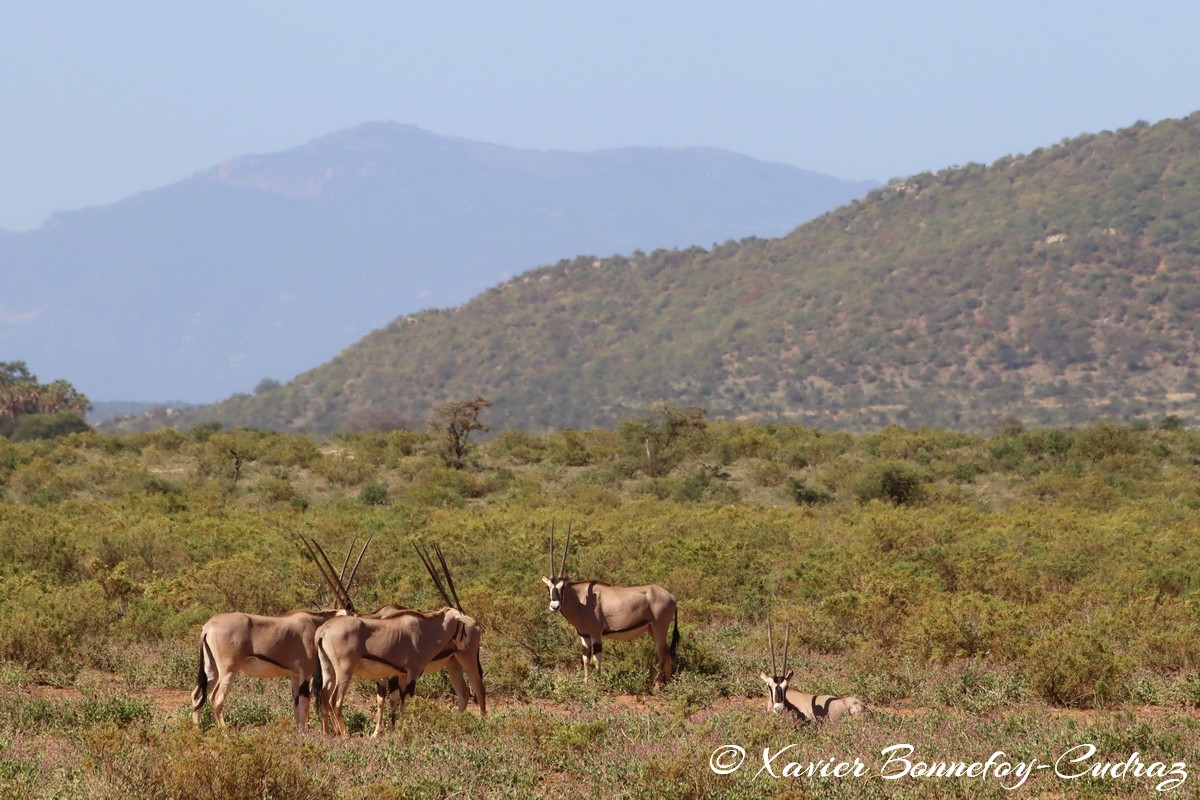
point(437, 581)
point(562, 569)
point(332, 578)
point(787, 638)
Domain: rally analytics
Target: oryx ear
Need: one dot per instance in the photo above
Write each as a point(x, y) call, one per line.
point(547, 581)
point(788, 677)
point(765, 679)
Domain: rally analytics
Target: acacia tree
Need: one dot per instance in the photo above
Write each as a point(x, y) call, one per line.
point(453, 422)
point(21, 394)
point(662, 433)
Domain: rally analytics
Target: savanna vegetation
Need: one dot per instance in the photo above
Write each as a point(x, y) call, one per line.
point(1026, 591)
point(30, 409)
point(1057, 286)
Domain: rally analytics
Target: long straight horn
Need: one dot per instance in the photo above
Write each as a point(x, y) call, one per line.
point(345, 595)
point(354, 571)
point(346, 561)
point(787, 640)
point(562, 571)
point(553, 576)
point(449, 578)
point(771, 643)
point(337, 596)
point(437, 581)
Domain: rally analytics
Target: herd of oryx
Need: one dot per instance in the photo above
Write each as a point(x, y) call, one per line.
point(322, 651)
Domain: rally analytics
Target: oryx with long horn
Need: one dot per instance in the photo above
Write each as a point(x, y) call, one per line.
point(452, 661)
point(805, 707)
point(600, 611)
point(401, 645)
point(258, 646)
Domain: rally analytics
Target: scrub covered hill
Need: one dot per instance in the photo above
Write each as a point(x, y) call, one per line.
point(265, 265)
point(1056, 287)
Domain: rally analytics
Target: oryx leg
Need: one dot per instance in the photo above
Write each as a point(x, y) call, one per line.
point(585, 655)
point(663, 652)
point(219, 693)
point(474, 674)
point(385, 690)
point(462, 694)
point(301, 690)
point(591, 654)
point(337, 696)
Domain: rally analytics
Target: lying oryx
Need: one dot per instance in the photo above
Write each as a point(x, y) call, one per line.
point(599, 611)
point(402, 645)
point(806, 707)
point(263, 647)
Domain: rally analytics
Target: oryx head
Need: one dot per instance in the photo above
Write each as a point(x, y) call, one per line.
point(556, 582)
point(777, 682)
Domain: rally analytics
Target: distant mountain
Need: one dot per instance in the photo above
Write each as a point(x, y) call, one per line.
point(1057, 287)
point(265, 265)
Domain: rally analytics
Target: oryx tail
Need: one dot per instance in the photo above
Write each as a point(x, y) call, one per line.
point(318, 672)
point(208, 669)
point(675, 634)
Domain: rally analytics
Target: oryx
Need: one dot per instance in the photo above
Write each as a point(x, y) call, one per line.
point(262, 647)
point(401, 645)
point(599, 611)
point(806, 707)
point(452, 662)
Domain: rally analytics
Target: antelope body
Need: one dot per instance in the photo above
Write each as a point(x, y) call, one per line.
point(450, 660)
point(805, 707)
point(600, 611)
point(267, 647)
point(401, 646)
point(258, 647)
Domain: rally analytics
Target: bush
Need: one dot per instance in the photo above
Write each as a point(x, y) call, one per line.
point(31, 427)
point(806, 495)
point(1076, 668)
point(183, 763)
point(373, 494)
point(892, 481)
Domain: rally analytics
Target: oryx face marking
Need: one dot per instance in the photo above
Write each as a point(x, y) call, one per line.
point(777, 687)
point(556, 590)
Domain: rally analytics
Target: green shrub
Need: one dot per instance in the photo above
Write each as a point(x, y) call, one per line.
point(806, 494)
point(373, 494)
point(342, 469)
point(895, 482)
point(1075, 667)
point(520, 446)
point(30, 427)
point(271, 489)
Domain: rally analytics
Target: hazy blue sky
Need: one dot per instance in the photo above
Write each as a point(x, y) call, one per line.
point(101, 100)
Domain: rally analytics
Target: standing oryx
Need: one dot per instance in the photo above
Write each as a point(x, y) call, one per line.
point(452, 661)
point(599, 611)
point(401, 645)
point(262, 647)
point(258, 647)
point(806, 707)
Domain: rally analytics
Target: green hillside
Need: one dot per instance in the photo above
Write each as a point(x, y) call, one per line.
point(1055, 287)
